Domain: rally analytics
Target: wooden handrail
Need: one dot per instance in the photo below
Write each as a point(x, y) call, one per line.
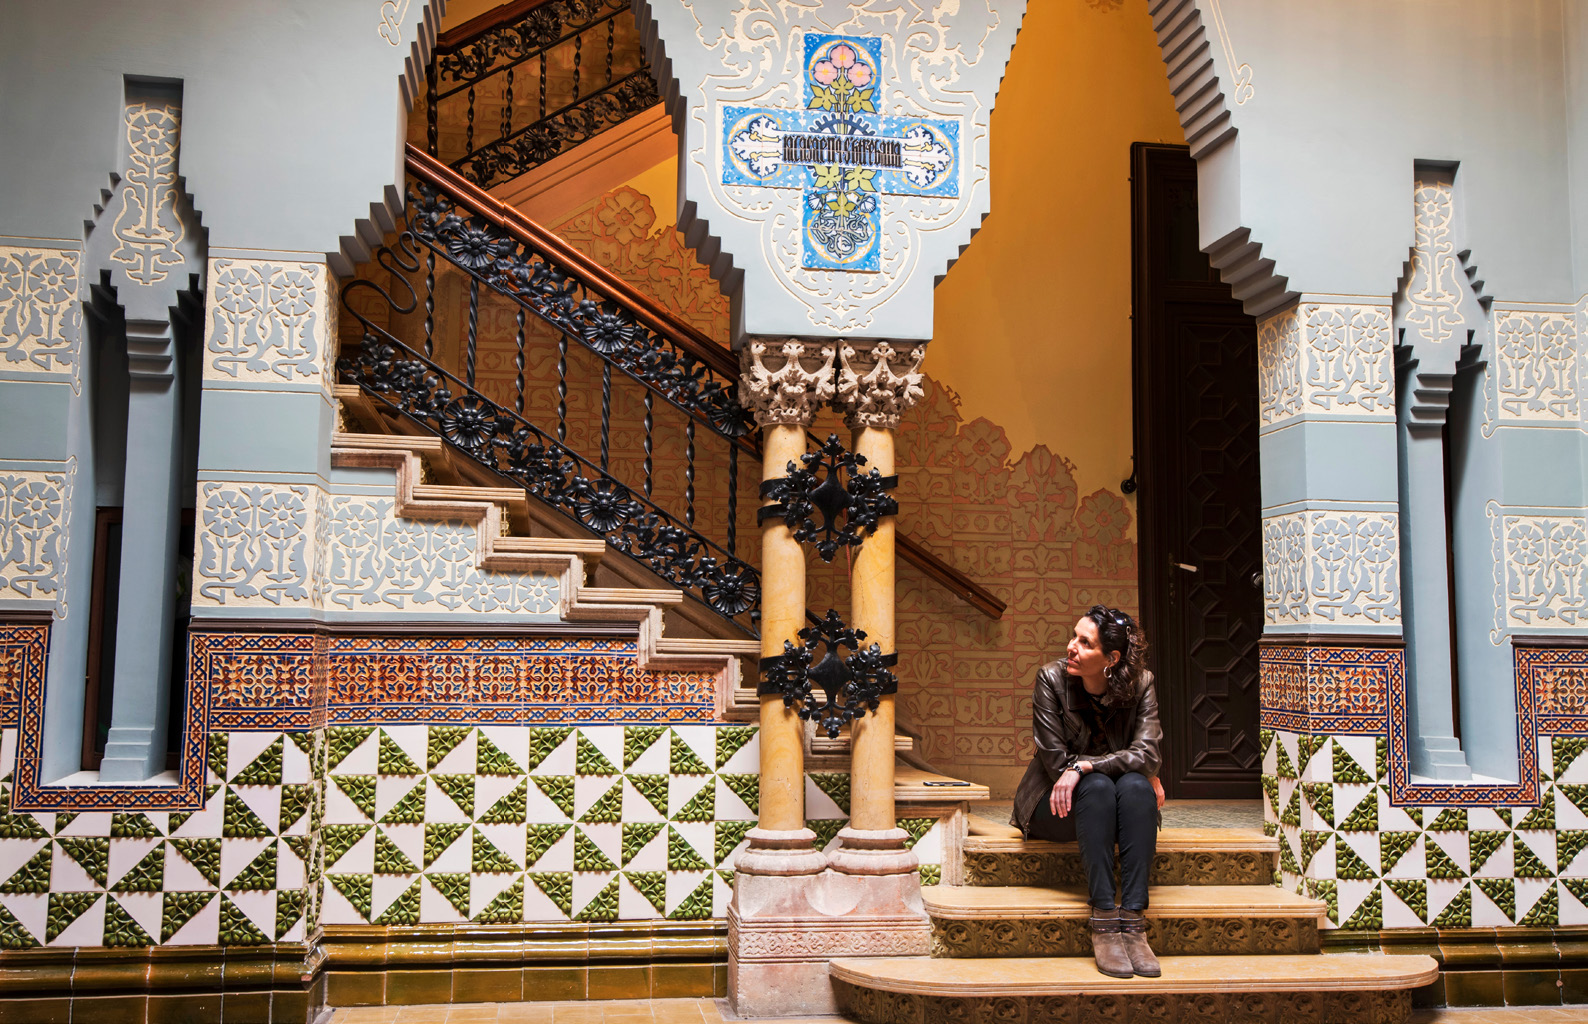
point(477, 26)
point(660, 319)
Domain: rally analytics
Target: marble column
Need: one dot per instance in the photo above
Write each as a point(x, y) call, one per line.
point(773, 913)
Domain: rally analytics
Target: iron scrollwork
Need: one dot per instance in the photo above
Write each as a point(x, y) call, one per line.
point(510, 266)
point(509, 444)
point(851, 685)
point(830, 483)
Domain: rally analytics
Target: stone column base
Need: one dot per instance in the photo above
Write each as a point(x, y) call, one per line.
point(783, 929)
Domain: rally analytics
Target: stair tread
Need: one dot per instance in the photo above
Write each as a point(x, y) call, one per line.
point(1032, 976)
point(559, 545)
point(1211, 840)
point(957, 902)
point(406, 442)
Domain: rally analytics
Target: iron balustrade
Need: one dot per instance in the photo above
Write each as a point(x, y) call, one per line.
point(586, 70)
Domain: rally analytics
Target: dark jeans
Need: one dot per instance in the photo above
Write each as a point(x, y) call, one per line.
point(1106, 811)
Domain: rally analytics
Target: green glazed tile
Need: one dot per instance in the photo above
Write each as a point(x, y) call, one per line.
point(1392, 846)
point(1577, 793)
point(835, 785)
point(239, 820)
point(1440, 864)
point(637, 739)
point(510, 809)
point(91, 854)
point(652, 885)
point(489, 759)
point(746, 787)
point(607, 809)
point(237, 929)
point(66, 907)
point(604, 906)
point(289, 910)
point(1568, 844)
point(392, 759)
point(203, 854)
point(637, 835)
point(1346, 768)
point(296, 799)
point(264, 770)
point(133, 826)
point(558, 887)
point(121, 929)
point(389, 858)
point(696, 906)
point(13, 934)
point(700, 807)
point(506, 908)
point(22, 826)
point(1320, 797)
point(259, 875)
point(1283, 767)
point(588, 759)
point(931, 874)
point(654, 789)
point(729, 835)
point(731, 739)
point(1292, 814)
point(1457, 913)
point(542, 837)
point(1527, 863)
point(1347, 863)
point(439, 836)
point(558, 789)
point(1502, 891)
point(1540, 817)
point(34, 876)
point(1564, 751)
point(1543, 914)
point(826, 829)
point(342, 740)
point(1325, 889)
point(339, 839)
point(1412, 892)
point(487, 858)
point(455, 887)
point(1364, 816)
point(1369, 916)
point(356, 889)
point(410, 810)
point(1311, 842)
point(460, 788)
point(148, 875)
point(441, 741)
point(215, 754)
point(1451, 819)
point(587, 856)
point(543, 741)
point(1483, 845)
point(682, 759)
point(681, 856)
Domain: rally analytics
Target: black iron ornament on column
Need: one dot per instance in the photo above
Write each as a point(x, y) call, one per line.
point(851, 685)
point(830, 483)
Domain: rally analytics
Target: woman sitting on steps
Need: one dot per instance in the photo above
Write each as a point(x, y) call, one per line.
point(1094, 778)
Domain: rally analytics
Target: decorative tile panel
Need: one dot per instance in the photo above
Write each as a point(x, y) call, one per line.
point(1536, 367)
point(22, 650)
point(1326, 360)
point(1546, 580)
point(148, 230)
point(1559, 678)
point(1332, 567)
point(379, 562)
point(1341, 690)
point(254, 545)
point(40, 316)
point(35, 516)
point(299, 680)
point(269, 321)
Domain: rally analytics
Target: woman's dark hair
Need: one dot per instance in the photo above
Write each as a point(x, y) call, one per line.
point(1117, 631)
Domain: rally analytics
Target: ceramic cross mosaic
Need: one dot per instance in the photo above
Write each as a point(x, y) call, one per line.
point(841, 152)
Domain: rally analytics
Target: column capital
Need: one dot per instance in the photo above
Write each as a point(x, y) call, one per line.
point(784, 382)
point(878, 382)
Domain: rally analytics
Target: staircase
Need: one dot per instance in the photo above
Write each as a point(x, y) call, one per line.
point(1012, 946)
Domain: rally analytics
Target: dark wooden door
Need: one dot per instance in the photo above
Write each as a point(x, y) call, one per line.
point(1199, 504)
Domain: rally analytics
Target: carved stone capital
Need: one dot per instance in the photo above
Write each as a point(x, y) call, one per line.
point(785, 382)
point(878, 383)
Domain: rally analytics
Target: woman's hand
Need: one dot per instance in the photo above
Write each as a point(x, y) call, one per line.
point(1062, 797)
point(1157, 789)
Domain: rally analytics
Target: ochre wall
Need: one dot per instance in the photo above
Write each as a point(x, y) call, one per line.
point(1011, 467)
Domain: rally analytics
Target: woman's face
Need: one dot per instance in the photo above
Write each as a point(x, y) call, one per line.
point(1085, 655)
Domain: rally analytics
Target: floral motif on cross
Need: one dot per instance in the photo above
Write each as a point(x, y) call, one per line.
point(841, 152)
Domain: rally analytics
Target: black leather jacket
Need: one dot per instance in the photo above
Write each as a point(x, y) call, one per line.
point(1060, 731)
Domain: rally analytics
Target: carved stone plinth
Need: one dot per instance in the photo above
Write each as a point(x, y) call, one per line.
point(783, 929)
point(874, 852)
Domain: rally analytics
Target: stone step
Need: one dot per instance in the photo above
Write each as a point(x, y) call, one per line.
point(1186, 856)
point(1015, 921)
point(1315, 989)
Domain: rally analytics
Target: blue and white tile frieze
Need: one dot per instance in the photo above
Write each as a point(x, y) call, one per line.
point(1332, 567)
point(40, 315)
point(254, 545)
point(1542, 567)
point(269, 321)
point(1326, 361)
point(35, 511)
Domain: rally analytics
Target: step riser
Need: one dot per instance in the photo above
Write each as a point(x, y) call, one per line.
point(873, 1006)
point(1176, 867)
point(1168, 936)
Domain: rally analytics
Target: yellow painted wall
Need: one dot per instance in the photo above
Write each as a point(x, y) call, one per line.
point(1033, 323)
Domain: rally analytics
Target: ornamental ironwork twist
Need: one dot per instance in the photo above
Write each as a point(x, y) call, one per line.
point(513, 267)
point(509, 444)
point(851, 685)
point(830, 483)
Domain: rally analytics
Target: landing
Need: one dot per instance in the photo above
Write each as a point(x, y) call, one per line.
point(1176, 813)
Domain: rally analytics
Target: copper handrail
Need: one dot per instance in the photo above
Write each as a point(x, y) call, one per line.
point(657, 317)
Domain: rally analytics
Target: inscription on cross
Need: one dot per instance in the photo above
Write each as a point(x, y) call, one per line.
point(841, 153)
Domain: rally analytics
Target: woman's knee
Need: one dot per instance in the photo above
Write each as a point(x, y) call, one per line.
point(1135, 787)
point(1094, 787)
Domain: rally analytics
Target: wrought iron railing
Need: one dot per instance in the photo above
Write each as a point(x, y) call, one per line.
point(570, 337)
point(515, 87)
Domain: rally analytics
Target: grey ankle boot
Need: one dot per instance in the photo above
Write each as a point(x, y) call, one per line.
point(1133, 936)
point(1108, 945)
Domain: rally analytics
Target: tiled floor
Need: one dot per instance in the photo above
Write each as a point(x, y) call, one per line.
point(711, 1011)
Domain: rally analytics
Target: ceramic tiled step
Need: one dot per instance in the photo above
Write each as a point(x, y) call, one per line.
point(1305, 989)
point(1005, 921)
point(1186, 856)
